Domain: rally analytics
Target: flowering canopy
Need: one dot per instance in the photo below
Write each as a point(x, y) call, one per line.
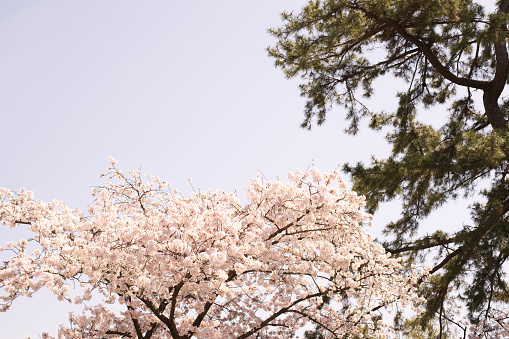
point(207, 266)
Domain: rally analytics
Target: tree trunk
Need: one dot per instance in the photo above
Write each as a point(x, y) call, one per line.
point(495, 87)
point(493, 111)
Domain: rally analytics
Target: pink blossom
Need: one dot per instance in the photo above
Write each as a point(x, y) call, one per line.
point(207, 266)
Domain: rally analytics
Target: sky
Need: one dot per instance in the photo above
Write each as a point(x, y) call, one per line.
point(180, 89)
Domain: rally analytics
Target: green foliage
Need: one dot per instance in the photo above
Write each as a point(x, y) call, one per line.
point(445, 51)
point(412, 329)
point(332, 45)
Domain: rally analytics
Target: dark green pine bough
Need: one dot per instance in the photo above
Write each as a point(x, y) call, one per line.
point(446, 51)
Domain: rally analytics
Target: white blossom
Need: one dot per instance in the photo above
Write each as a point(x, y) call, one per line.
point(207, 266)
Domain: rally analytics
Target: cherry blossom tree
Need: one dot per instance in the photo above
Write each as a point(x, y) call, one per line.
point(207, 266)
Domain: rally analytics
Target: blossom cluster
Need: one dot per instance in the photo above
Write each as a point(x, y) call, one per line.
point(206, 266)
point(494, 325)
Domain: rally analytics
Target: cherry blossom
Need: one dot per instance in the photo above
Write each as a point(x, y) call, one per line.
point(494, 325)
point(206, 266)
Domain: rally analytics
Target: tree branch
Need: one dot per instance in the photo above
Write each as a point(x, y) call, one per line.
point(426, 50)
point(421, 246)
point(267, 321)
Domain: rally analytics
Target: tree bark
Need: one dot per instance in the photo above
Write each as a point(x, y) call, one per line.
point(493, 111)
point(496, 86)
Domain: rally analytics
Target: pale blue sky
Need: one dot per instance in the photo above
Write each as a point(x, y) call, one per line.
point(179, 88)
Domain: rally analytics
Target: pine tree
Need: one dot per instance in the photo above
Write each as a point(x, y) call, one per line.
point(447, 52)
